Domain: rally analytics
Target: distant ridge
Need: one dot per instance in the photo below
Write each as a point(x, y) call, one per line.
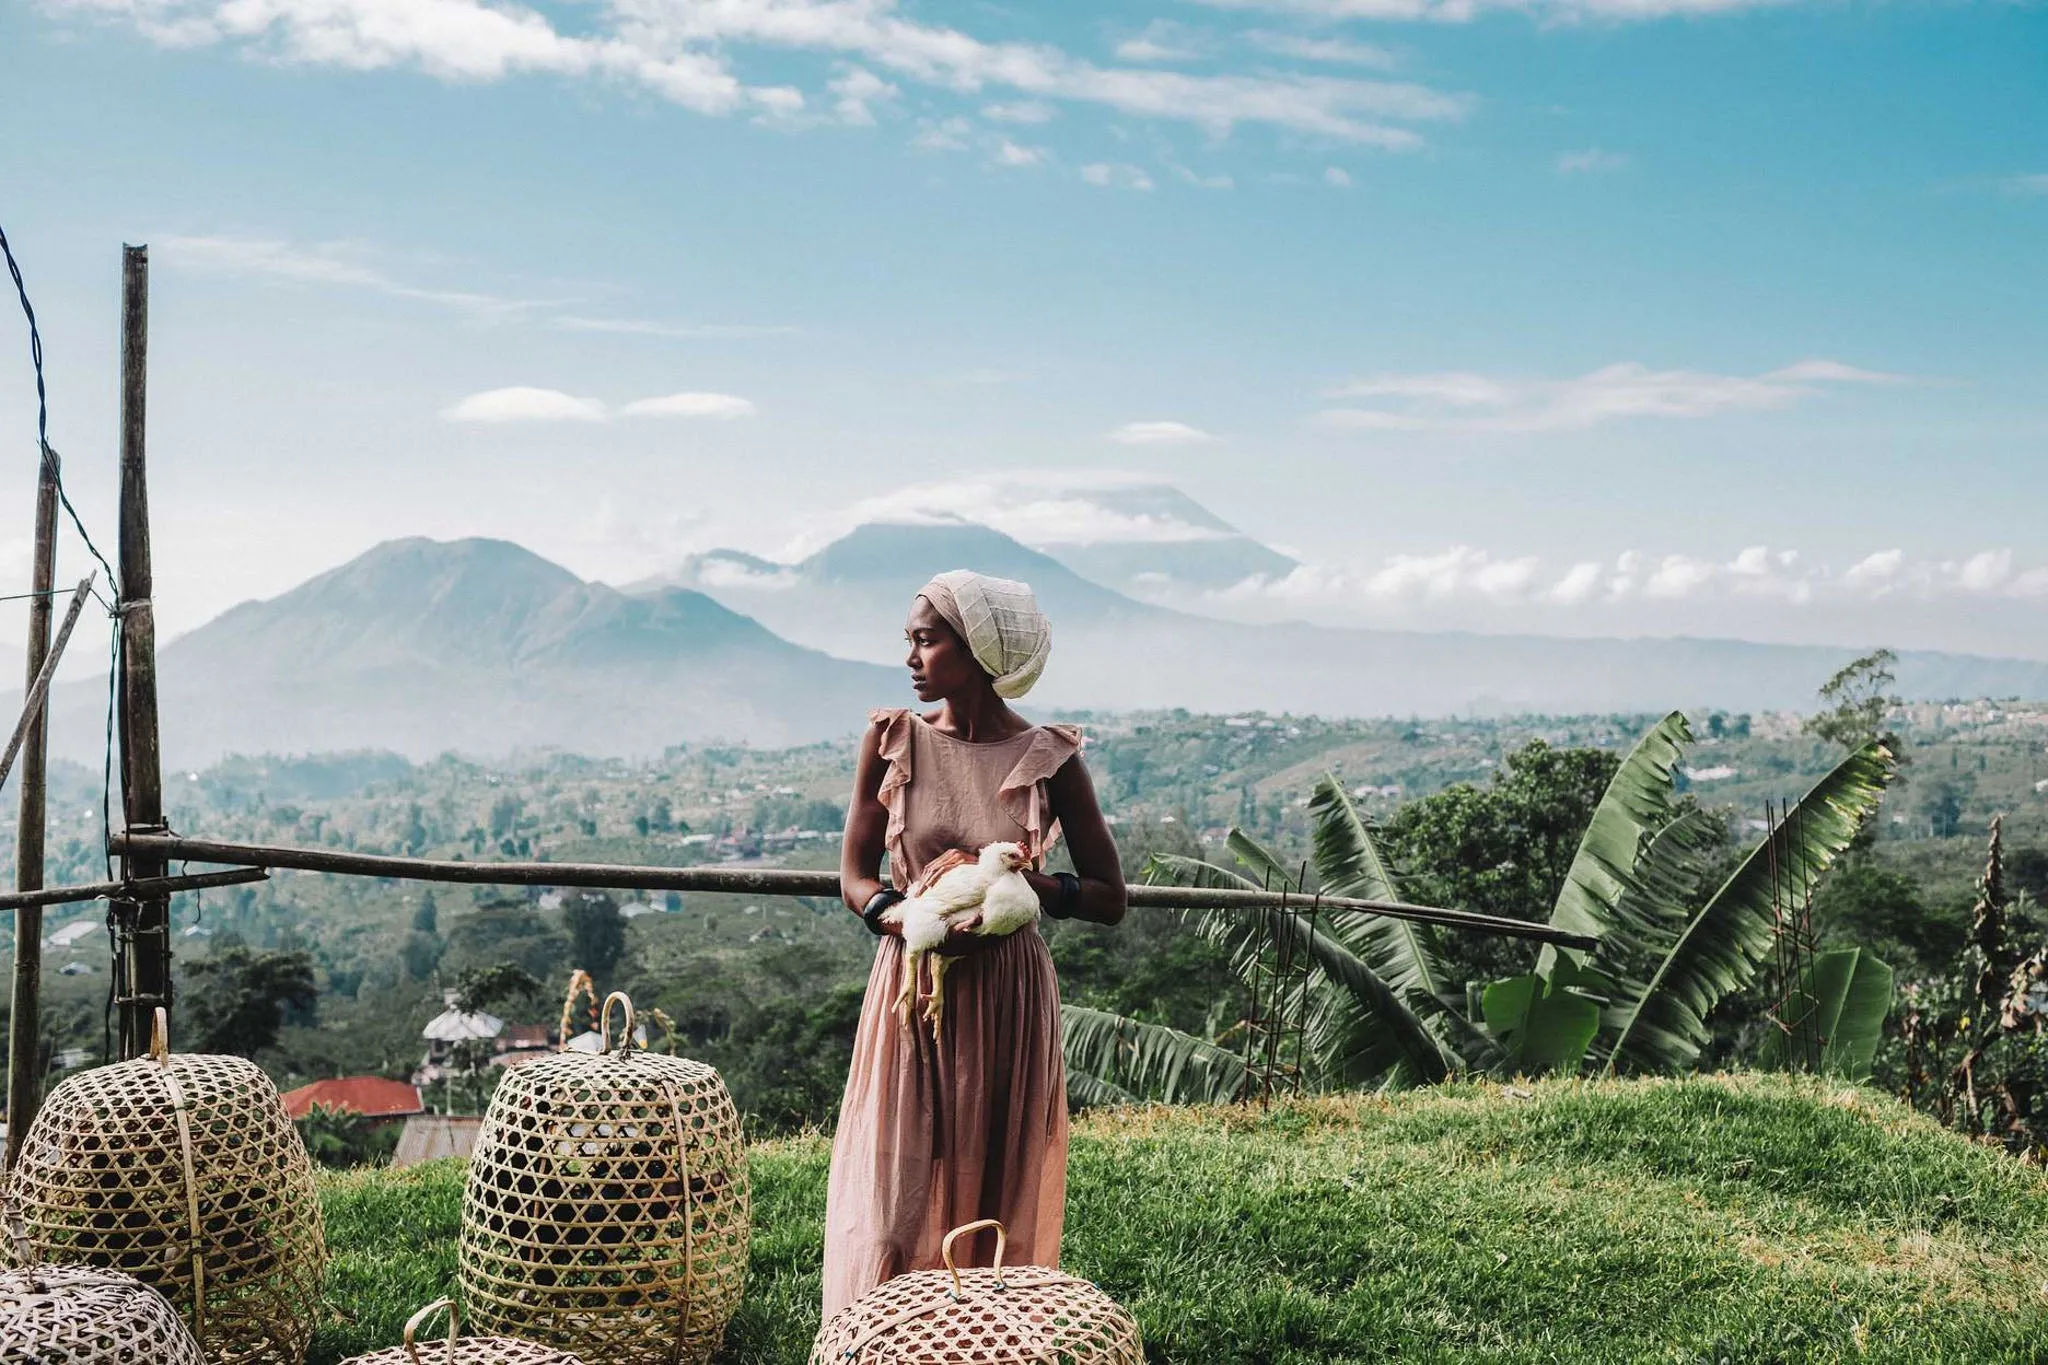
point(1111, 651)
point(483, 647)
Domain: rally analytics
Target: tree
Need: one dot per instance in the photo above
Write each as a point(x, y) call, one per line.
point(1380, 1005)
point(505, 929)
point(485, 988)
point(341, 1138)
point(597, 936)
point(236, 999)
point(421, 954)
point(426, 917)
point(1858, 702)
point(1504, 849)
point(1975, 1040)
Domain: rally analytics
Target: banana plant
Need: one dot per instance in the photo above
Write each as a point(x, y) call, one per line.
point(1378, 1004)
point(1842, 998)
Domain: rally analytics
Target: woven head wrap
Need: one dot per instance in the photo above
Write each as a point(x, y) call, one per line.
point(1001, 623)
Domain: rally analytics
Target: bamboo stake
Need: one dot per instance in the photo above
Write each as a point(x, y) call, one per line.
point(32, 719)
point(146, 961)
point(24, 1019)
point(763, 881)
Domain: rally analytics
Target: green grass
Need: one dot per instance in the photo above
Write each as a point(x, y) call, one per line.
point(1716, 1219)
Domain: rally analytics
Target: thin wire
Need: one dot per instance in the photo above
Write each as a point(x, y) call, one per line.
point(35, 354)
point(55, 468)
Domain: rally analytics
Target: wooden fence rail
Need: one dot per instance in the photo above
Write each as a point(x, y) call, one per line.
point(764, 881)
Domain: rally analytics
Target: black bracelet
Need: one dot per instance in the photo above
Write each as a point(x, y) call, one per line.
point(1070, 895)
point(878, 905)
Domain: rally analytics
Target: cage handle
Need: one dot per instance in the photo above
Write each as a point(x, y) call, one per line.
point(419, 1320)
point(160, 1036)
point(604, 1022)
point(946, 1250)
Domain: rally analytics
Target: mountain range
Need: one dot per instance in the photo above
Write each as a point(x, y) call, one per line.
point(1112, 651)
point(482, 647)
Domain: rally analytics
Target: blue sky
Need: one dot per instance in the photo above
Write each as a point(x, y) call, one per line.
point(1666, 316)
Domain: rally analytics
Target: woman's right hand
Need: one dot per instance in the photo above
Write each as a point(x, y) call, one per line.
point(962, 941)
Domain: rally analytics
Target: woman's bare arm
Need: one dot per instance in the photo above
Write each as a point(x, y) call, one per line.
point(1089, 844)
point(867, 826)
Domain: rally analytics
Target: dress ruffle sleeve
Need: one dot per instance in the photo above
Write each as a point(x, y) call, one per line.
point(1023, 791)
point(893, 745)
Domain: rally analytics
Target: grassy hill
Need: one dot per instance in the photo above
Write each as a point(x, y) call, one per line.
point(1742, 1218)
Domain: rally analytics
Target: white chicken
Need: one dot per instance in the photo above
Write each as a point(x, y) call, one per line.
point(986, 894)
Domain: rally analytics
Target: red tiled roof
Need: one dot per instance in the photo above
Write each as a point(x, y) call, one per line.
point(371, 1096)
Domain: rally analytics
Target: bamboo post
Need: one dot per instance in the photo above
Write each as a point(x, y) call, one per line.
point(146, 967)
point(24, 1020)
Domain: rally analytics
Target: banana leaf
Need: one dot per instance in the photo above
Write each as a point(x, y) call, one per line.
point(1119, 1059)
point(1848, 992)
point(1545, 1024)
point(1718, 951)
point(1348, 863)
point(1636, 804)
point(1360, 1031)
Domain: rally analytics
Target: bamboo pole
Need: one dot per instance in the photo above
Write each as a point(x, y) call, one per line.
point(22, 902)
point(146, 965)
point(765, 881)
point(24, 1019)
point(32, 706)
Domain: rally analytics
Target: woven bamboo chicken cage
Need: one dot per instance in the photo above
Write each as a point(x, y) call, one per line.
point(77, 1315)
point(606, 1206)
point(987, 1316)
point(185, 1172)
point(461, 1350)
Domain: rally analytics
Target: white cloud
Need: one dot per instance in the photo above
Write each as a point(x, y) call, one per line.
point(1051, 508)
point(1985, 570)
point(2025, 184)
point(1578, 584)
point(1019, 111)
point(943, 135)
point(1465, 11)
point(1159, 434)
point(1875, 571)
point(1465, 402)
point(1469, 574)
point(1336, 177)
point(1109, 175)
point(1186, 176)
point(348, 266)
point(1591, 161)
point(521, 403)
point(1014, 154)
point(324, 263)
point(722, 406)
point(1162, 40)
point(682, 331)
point(857, 90)
point(682, 50)
point(1336, 51)
point(1678, 576)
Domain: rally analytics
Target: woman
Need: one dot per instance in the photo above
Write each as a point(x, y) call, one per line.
point(936, 1131)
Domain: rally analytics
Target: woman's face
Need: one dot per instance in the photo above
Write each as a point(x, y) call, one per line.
point(940, 664)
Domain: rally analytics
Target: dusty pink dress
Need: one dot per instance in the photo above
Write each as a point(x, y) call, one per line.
point(936, 1133)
